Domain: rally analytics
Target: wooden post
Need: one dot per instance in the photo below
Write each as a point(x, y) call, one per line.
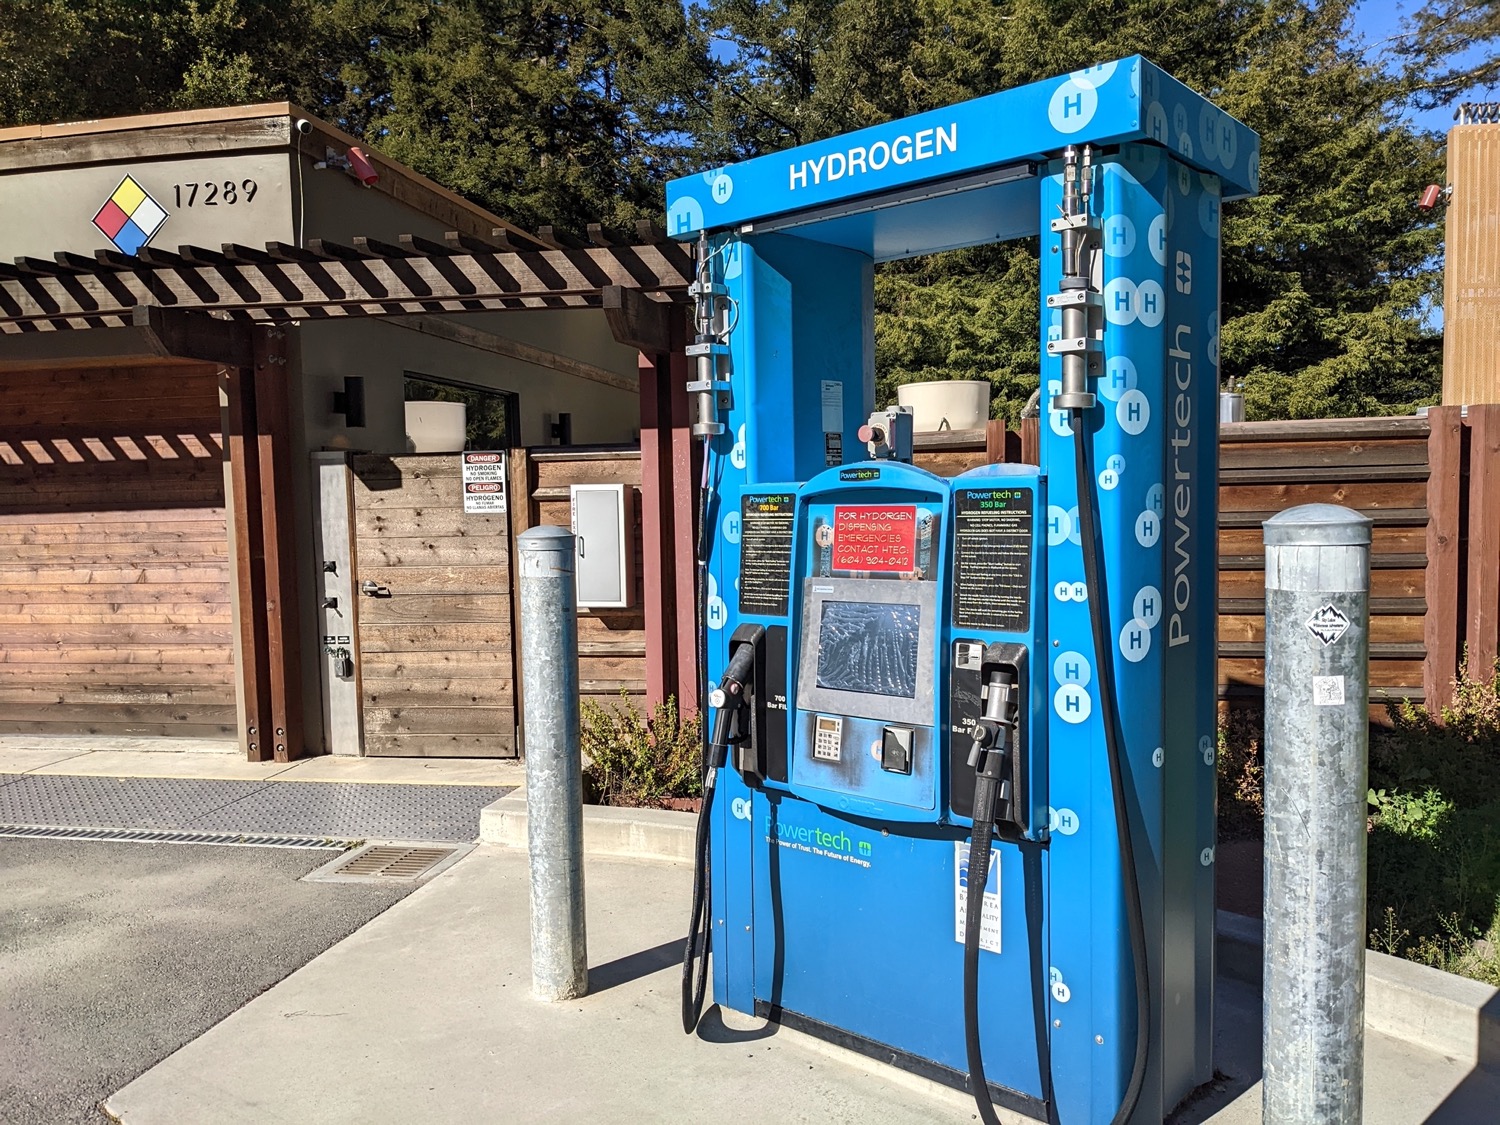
point(994, 441)
point(1442, 627)
point(278, 530)
point(243, 452)
point(668, 491)
point(687, 461)
point(518, 505)
point(1483, 634)
point(659, 604)
point(1031, 441)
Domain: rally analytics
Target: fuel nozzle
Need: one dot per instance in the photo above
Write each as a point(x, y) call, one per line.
point(729, 698)
point(995, 737)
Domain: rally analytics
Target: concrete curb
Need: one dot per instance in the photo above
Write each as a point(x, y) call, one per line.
point(1431, 1009)
point(638, 833)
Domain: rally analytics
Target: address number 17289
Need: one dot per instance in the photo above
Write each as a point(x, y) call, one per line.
point(213, 194)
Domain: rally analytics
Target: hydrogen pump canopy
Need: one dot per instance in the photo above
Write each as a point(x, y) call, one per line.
point(981, 145)
point(870, 623)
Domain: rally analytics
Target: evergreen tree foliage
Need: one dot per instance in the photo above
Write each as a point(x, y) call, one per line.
point(545, 111)
point(1329, 277)
point(1449, 49)
point(568, 113)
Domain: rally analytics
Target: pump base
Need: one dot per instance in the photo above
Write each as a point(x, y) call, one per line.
point(1002, 1096)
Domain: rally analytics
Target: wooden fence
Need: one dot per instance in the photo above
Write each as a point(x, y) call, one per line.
point(1431, 486)
point(611, 642)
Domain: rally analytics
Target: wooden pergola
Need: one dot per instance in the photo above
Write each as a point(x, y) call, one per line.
point(229, 306)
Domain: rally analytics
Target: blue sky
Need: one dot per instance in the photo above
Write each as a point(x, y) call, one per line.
point(1377, 21)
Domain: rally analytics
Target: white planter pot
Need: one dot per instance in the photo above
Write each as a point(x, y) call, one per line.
point(952, 404)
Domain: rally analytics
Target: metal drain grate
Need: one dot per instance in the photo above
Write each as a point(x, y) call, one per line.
point(152, 836)
point(395, 862)
point(390, 862)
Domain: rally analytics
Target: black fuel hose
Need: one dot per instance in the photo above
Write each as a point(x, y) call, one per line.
point(981, 846)
point(695, 989)
point(1109, 707)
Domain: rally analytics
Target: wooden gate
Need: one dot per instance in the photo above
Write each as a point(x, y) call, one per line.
point(434, 612)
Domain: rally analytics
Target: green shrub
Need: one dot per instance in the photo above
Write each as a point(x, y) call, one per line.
point(1240, 774)
point(641, 759)
point(1434, 818)
point(1434, 846)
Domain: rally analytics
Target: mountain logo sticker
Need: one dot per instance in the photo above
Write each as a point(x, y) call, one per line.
point(1328, 624)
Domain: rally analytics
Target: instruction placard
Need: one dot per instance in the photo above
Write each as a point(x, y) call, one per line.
point(484, 482)
point(992, 559)
point(766, 552)
point(989, 919)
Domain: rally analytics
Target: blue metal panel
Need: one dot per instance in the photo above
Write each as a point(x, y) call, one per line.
point(1189, 542)
point(827, 937)
point(1085, 903)
point(1034, 640)
point(1127, 100)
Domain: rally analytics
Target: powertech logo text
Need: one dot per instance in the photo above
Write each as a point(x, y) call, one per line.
point(820, 842)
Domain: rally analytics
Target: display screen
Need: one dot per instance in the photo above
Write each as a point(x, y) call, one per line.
point(869, 647)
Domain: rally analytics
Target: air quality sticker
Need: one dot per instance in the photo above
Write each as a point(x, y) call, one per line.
point(989, 918)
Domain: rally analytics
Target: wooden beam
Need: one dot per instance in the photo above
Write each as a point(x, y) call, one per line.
point(273, 428)
point(994, 441)
point(1031, 441)
point(637, 321)
point(264, 284)
point(457, 332)
point(193, 335)
point(518, 474)
point(1442, 628)
point(199, 140)
point(686, 463)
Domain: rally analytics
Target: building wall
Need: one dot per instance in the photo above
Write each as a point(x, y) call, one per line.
point(53, 183)
point(1471, 283)
point(51, 208)
point(383, 352)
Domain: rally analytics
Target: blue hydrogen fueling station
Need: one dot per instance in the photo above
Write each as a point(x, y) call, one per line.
point(960, 803)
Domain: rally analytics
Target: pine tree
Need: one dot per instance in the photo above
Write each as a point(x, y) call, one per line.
point(1329, 276)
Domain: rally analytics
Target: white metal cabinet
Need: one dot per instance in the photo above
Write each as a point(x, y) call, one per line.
point(604, 523)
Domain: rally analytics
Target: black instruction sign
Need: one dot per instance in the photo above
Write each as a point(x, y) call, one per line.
point(992, 559)
point(766, 552)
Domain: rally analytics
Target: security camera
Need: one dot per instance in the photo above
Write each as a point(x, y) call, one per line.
point(303, 126)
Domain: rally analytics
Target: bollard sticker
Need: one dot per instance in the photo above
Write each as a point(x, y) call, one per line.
point(1328, 691)
point(1328, 624)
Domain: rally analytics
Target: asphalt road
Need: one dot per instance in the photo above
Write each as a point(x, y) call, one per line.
point(114, 955)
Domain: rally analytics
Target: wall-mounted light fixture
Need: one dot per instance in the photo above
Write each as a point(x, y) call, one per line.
point(350, 402)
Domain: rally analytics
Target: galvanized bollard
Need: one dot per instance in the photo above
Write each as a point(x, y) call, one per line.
point(1316, 746)
point(554, 782)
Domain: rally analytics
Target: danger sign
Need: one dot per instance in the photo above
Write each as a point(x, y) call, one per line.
point(484, 483)
point(875, 537)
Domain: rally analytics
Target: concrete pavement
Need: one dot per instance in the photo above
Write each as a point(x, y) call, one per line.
point(424, 1016)
point(114, 955)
